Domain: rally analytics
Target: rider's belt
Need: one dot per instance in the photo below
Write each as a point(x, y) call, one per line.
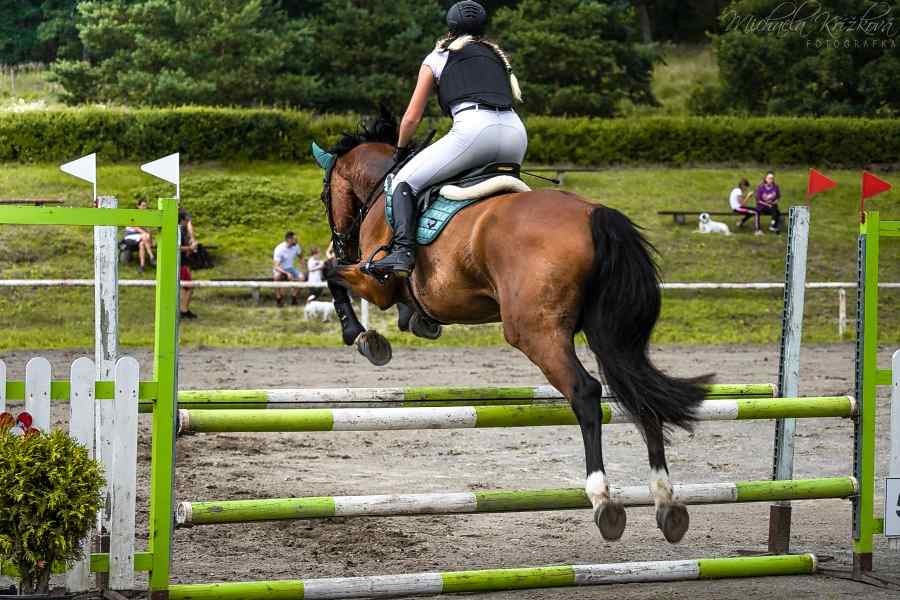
point(483, 107)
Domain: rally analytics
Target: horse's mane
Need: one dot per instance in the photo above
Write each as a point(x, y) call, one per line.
point(383, 129)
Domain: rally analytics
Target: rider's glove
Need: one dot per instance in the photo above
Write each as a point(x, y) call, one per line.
point(401, 154)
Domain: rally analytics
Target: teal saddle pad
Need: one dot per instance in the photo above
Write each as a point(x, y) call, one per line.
point(433, 220)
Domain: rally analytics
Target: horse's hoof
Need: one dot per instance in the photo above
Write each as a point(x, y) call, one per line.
point(610, 519)
point(673, 520)
point(375, 347)
point(423, 327)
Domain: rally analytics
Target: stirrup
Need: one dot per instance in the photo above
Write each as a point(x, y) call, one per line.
point(369, 269)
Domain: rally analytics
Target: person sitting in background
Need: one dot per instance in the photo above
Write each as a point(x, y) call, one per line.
point(767, 195)
point(283, 268)
point(738, 201)
point(188, 247)
point(144, 241)
point(315, 267)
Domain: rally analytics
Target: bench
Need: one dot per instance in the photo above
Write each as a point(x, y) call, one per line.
point(679, 215)
point(128, 249)
point(236, 282)
point(32, 201)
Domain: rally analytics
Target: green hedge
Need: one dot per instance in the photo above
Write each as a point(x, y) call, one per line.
point(215, 134)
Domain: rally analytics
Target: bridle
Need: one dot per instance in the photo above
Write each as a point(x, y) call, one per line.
point(342, 240)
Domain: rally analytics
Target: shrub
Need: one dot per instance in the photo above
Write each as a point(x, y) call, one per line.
point(707, 99)
point(49, 497)
point(215, 134)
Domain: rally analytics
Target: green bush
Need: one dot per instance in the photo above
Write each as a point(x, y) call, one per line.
point(215, 134)
point(49, 497)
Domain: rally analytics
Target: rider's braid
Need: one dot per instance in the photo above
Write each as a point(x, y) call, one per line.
point(451, 42)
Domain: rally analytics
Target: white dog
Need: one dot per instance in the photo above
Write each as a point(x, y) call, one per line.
point(317, 308)
point(707, 225)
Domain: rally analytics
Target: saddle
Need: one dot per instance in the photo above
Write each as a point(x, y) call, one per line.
point(441, 201)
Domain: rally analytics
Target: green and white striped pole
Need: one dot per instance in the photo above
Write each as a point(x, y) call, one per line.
point(488, 580)
point(414, 396)
point(467, 417)
point(277, 509)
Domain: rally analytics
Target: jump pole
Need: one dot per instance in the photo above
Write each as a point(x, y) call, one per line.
point(468, 417)
point(189, 514)
point(499, 579)
point(789, 369)
point(415, 396)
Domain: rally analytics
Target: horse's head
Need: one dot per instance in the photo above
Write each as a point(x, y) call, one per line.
point(354, 172)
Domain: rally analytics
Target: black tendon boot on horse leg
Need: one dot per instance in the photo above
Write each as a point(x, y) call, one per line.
point(370, 344)
point(402, 259)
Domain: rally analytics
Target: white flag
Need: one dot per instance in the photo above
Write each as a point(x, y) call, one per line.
point(166, 168)
point(82, 168)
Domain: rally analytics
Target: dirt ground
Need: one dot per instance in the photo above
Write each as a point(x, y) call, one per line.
point(235, 466)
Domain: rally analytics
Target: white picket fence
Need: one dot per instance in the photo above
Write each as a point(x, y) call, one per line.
point(118, 434)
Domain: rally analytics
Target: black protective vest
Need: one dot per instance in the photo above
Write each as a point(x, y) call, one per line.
point(477, 74)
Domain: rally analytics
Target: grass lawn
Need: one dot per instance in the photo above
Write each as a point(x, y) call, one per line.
point(245, 208)
point(682, 68)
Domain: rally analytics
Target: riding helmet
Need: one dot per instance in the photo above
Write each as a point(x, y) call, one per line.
point(467, 17)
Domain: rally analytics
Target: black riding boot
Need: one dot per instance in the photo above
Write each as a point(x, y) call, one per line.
point(402, 259)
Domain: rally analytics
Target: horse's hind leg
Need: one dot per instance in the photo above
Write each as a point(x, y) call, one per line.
point(586, 402)
point(554, 352)
point(410, 319)
point(671, 517)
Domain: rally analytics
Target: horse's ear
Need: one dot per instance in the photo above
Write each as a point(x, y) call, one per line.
point(323, 159)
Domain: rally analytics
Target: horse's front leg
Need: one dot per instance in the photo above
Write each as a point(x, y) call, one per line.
point(370, 343)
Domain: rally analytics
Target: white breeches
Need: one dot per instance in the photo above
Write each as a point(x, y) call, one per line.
point(478, 137)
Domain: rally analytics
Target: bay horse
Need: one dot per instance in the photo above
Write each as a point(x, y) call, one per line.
point(547, 264)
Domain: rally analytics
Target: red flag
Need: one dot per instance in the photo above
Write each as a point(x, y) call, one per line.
point(872, 186)
point(818, 183)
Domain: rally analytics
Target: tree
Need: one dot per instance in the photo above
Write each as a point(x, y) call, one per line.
point(837, 57)
point(162, 53)
point(576, 57)
point(643, 13)
point(37, 31)
point(367, 53)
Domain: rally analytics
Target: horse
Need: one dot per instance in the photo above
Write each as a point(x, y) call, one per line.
point(548, 264)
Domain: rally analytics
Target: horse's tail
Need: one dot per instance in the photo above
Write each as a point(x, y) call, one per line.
point(622, 304)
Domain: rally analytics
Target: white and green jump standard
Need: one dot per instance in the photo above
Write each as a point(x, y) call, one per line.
point(159, 393)
point(252, 411)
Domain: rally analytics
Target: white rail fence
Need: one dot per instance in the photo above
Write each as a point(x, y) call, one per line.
point(256, 286)
point(253, 286)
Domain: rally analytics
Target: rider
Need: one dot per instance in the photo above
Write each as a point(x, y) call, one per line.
point(476, 86)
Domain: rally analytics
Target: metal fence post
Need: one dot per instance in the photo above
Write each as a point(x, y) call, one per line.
point(789, 370)
point(842, 313)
